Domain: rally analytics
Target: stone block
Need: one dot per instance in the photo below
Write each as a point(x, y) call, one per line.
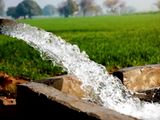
point(67, 84)
point(41, 100)
point(144, 81)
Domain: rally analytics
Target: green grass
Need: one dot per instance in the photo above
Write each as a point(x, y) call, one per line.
point(103, 23)
point(20, 60)
point(114, 41)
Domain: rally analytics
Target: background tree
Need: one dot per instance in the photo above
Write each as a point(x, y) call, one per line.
point(158, 4)
point(96, 9)
point(111, 5)
point(49, 10)
point(12, 12)
point(73, 6)
point(63, 9)
point(115, 6)
point(121, 7)
point(28, 8)
point(68, 7)
point(2, 7)
point(86, 5)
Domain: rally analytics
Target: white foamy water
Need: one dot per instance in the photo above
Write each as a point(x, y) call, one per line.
point(102, 88)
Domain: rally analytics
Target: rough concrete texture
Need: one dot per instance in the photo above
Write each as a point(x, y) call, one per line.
point(144, 81)
point(40, 100)
point(68, 84)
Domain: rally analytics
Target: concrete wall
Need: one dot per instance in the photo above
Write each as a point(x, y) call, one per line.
point(43, 101)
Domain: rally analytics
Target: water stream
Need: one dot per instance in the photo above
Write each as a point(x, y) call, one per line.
point(101, 87)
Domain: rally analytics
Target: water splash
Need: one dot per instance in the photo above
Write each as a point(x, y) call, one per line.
point(101, 87)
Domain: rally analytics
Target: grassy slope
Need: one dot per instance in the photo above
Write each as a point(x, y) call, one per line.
point(114, 41)
point(19, 59)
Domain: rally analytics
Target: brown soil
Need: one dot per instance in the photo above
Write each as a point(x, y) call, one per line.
point(8, 87)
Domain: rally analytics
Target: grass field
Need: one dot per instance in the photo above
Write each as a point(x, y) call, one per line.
point(114, 41)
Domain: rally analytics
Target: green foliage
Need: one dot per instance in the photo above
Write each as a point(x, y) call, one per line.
point(28, 7)
point(12, 12)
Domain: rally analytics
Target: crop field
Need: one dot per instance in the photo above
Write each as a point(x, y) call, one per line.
point(113, 41)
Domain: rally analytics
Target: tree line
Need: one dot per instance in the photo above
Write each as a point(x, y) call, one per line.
point(29, 8)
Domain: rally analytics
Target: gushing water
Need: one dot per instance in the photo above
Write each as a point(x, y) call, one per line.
point(101, 87)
